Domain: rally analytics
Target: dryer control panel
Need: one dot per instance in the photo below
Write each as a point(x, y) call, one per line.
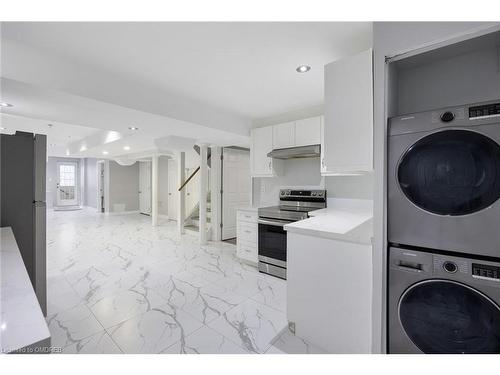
point(484, 111)
point(486, 271)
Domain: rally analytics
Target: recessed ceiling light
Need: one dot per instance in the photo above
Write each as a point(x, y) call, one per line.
point(126, 148)
point(303, 68)
point(105, 152)
point(133, 128)
point(3, 104)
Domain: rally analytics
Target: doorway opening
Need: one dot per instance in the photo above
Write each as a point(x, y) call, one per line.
point(67, 186)
point(145, 187)
point(101, 200)
point(236, 187)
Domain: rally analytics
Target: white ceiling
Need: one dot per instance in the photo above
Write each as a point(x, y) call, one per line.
point(205, 81)
point(245, 68)
point(58, 135)
point(35, 107)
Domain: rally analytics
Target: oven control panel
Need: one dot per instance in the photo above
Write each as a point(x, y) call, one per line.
point(289, 193)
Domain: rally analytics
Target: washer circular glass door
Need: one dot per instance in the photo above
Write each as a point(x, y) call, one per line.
point(447, 317)
point(451, 172)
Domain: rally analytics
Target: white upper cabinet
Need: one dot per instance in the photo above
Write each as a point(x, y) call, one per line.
point(348, 124)
point(284, 135)
point(290, 134)
point(262, 144)
point(308, 131)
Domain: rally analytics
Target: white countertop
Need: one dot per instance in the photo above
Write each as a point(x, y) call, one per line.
point(344, 219)
point(21, 319)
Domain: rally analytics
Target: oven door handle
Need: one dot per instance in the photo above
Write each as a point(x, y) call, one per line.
point(276, 223)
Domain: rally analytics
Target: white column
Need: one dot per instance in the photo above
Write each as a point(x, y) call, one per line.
point(181, 195)
point(215, 196)
point(154, 190)
point(203, 194)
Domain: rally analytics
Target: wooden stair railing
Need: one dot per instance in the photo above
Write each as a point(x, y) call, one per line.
point(189, 179)
point(209, 156)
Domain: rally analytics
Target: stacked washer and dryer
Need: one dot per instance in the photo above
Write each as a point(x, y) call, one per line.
point(444, 231)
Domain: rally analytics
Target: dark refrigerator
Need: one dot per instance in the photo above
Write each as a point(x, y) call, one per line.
point(23, 207)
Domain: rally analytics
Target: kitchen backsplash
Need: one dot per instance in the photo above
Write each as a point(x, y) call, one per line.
point(305, 174)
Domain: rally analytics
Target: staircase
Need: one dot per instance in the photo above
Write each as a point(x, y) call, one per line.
point(192, 223)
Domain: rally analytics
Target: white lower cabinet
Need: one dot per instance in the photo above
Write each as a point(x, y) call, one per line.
point(247, 235)
point(329, 292)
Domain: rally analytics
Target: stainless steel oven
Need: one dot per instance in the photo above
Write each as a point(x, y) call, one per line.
point(294, 205)
point(272, 246)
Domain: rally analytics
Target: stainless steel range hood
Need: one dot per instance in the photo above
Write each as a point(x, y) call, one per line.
point(312, 151)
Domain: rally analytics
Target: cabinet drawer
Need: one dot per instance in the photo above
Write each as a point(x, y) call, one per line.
point(247, 251)
point(247, 232)
point(247, 216)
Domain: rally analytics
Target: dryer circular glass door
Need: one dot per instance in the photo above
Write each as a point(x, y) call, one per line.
point(451, 172)
point(447, 317)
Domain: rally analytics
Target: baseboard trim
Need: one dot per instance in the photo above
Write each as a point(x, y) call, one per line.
point(122, 213)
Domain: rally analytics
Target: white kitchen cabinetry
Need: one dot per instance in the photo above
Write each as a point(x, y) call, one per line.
point(348, 123)
point(262, 144)
point(308, 131)
point(329, 284)
point(284, 135)
point(247, 235)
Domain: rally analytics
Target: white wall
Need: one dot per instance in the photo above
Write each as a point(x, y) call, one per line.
point(299, 173)
point(449, 82)
point(390, 38)
point(123, 187)
point(90, 182)
point(305, 174)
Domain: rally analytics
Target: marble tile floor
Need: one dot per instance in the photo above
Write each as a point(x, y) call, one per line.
point(115, 284)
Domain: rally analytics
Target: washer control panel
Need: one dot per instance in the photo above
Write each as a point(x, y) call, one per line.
point(450, 265)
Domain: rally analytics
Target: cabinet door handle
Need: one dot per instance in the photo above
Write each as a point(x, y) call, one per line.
point(270, 164)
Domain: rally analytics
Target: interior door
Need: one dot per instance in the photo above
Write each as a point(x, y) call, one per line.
point(145, 188)
point(67, 184)
point(236, 187)
point(172, 189)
